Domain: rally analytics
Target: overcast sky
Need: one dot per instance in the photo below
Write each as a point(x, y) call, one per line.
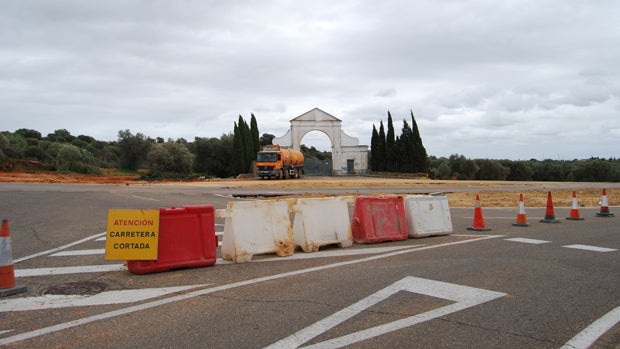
point(485, 79)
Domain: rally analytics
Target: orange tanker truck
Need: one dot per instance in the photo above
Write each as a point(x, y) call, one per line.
point(279, 163)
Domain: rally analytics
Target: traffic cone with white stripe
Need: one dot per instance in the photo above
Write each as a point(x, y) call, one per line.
point(478, 224)
point(549, 213)
point(8, 286)
point(521, 218)
point(604, 211)
point(574, 211)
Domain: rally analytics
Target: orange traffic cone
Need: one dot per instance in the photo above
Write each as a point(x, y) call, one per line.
point(521, 218)
point(7, 274)
point(549, 214)
point(478, 224)
point(604, 212)
point(574, 211)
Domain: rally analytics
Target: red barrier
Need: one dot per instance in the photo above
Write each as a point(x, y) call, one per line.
point(186, 240)
point(378, 219)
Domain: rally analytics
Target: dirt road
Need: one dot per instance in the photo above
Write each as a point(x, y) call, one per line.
point(588, 195)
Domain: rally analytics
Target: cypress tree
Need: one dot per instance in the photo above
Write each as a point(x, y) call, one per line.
point(381, 159)
point(374, 139)
point(420, 159)
point(406, 149)
point(238, 159)
point(255, 136)
point(390, 146)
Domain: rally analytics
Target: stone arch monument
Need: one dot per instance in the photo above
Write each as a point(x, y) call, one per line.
point(348, 157)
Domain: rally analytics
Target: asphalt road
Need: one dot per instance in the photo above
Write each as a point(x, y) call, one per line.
point(542, 286)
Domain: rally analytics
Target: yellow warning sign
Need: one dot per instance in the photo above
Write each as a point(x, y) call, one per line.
point(132, 235)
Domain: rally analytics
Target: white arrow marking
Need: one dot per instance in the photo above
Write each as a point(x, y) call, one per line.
point(110, 297)
point(463, 296)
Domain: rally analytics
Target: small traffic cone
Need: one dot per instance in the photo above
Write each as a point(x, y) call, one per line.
point(521, 218)
point(478, 224)
point(549, 214)
point(574, 211)
point(8, 286)
point(604, 212)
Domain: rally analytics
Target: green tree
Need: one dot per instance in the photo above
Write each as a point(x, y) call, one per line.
point(390, 146)
point(491, 170)
point(61, 136)
point(374, 148)
point(68, 157)
point(381, 149)
point(255, 136)
point(170, 158)
point(133, 149)
point(405, 150)
point(420, 156)
point(266, 139)
point(27, 133)
point(463, 168)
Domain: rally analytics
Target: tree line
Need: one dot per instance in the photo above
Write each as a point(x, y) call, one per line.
point(579, 170)
point(404, 153)
point(233, 153)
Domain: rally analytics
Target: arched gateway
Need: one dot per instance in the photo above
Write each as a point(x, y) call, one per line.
point(348, 157)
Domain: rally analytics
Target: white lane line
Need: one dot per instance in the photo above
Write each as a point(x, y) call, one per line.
point(340, 253)
point(528, 241)
point(591, 248)
point(79, 252)
point(104, 298)
point(143, 198)
point(590, 334)
point(101, 238)
point(197, 293)
point(59, 248)
point(69, 270)
point(220, 261)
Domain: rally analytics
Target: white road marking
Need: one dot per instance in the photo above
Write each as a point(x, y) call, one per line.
point(197, 293)
point(591, 248)
point(339, 253)
point(462, 296)
point(143, 198)
point(58, 248)
point(79, 252)
point(528, 241)
point(104, 298)
point(69, 270)
point(5, 331)
point(590, 334)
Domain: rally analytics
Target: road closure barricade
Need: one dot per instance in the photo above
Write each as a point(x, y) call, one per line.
point(322, 221)
point(186, 240)
point(256, 227)
point(378, 219)
point(427, 215)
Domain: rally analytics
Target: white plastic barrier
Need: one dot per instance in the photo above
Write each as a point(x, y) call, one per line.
point(322, 221)
point(256, 227)
point(427, 215)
